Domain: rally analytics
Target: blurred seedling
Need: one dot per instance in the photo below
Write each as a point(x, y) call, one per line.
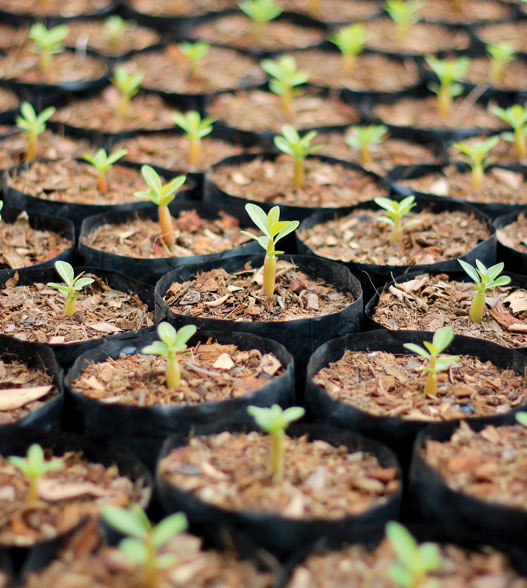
point(441, 340)
point(34, 466)
point(284, 79)
point(415, 562)
point(273, 230)
point(362, 139)
point(194, 52)
point(350, 40)
point(291, 143)
point(516, 117)
point(103, 162)
point(46, 43)
point(260, 12)
point(127, 84)
point(484, 279)
point(395, 212)
point(499, 55)
point(144, 542)
point(116, 28)
point(171, 345)
point(476, 155)
point(71, 285)
point(448, 72)
point(521, 417)
point(1, 206)
point(195, 129)
point(162, 196)
point(33, 125)
point(404, 14)
point(275, 421)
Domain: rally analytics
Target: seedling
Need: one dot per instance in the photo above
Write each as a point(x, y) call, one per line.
point(404, 14)
point(476, 157)
point(363, 138)
point(194, 52)
point(1, 206)
point(33, 125)
point(395, 211)
point(285, 78)
point(145, 540)
point(102, 163)
point(448, 73)
point(195, 129)
point(441, 340)
point(291, 143)
point(275, 421)
point(34, 466)
point(499, 55)
point(415, 561)
point(162, 196)
point(521, 417)
point(71, 285)
point(127, 84)
point(484, 279)
point(47, 42)
point(172, 343)
point(273, 230)
point(516, 116)
point(350, 40)
point(260, 12)
point(117, 27)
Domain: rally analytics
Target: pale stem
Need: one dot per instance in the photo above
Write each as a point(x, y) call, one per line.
point(397, 232)
point(477, 307)
point(173, 373)
point(365, 155)
point(194, 152)
point(269, 275)
point(102, 182)
point(520, 142)
point(314, 7)
point(287, 102)
point(32, 491)
point(431, 379)
point(277, 455)
point(298, 172)
point(167, 228)
point(496, 71)
point(44, 62)
point(478, 176)
point(31, 151)
point(69, 307)
point(444, 104)
point(348, 63)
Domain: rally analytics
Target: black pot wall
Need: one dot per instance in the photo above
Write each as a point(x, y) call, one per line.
point(514, 260)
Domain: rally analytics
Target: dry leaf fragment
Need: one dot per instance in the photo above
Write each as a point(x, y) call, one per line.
point(439, 187)
point(270, 364)
point(509, 178)
point(54, 491)
point(14, 398)
point(517, 300)
point(312, 301)
point(106, 328)
point(224, 362)
point(218, 301)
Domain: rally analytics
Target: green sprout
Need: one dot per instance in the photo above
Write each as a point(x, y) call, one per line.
point(71, 285)
point(291, 143)
point(275, 421)
point(117, 27)
point(285, 78)
point(404, 14)
point(362, 138)
point(1, 206)
point(47, 42)
point(102, 162)
point(350, 40)
point(195, 129)
point(521, 417)
point(448, 73)
point(516, 116)
point(162, 196)
point(395, 211)
point(484, 279)
point(499, 55)
point(194, 52)
point(34, 466)
point(476, 157)
point(260, 12)
point(171, 344)
point(441, 340)
point(127, 84)
point(415, 561)
point(33, 125)
point(273, 230)
point(145, 541)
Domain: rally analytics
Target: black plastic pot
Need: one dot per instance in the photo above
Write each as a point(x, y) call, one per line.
point(514, 260)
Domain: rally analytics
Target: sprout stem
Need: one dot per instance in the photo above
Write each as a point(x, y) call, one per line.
point(151, 574)
point(444, 103)
point(397, 232)
point(365, 155)
point(348, 63)
point(173, 373)
point(31, 151)
point(194, 153)
point(32, 491)
point(102, 183)
point(44, 62)
point(431, 379)
point(520, 142)
point(314, 7)
point(287, 101)
point(269, 274)
point(277, 454)
point(69, 307)
point(298, 173)
point(478, 176)
point(165, 223)
point(477, 307)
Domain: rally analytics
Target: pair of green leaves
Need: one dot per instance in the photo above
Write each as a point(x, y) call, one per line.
point(485, 278)
point(272, 228)
point(171, 341)
point(32, 123)
point(101, 161)
point(440, 341)
point(71, 283)
point(284, 73)
point(159, 194)
point(260, 10)
point(448, 72)
point(193, 125)
point(291, 143)
point(274, 419)
point(34, 465)
point(395, 210)
point(126, 82)
point(350, 39)
point(48, 40)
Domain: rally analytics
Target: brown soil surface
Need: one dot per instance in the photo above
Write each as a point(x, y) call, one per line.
point(511, 33)
point(320, 481)
point(180, 7)
point(33, 389)
point(262, 111)
point(236, 30)
point(36, 313)
point(210, 372)
point(371, 72)
point(389, 385)
point(193, 236)
point(428, 303)
point(55, 7)
point(336, 10)
point(490, 465)
point(503, 153)
point(22, 246)
point(473, 11)
point(363, 237)
point(514, 74)
point(239, 296)
point(11, 36)
point(220, 69)
point(514, 235)
point(8, 100)
point(327, 185)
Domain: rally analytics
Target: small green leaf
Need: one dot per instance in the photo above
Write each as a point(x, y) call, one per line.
point(156, 348)
point(442, 338)
point(134, 549)
point(151, 177)
point(184, 334)
point(416, 349)
point(521, 417)
point(65, 271)
point(168, 527)
point(258, 217)
point(470, 270)
point(125, 521)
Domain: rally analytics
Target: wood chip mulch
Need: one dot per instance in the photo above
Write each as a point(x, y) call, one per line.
point(320, 480)
point(389, 385)
point(511, 33)
point(8, 100)
point(514, 74)
point(514, 235)
point(180, 8)
point(336, 10)
point(472, 11)
point(69, 8)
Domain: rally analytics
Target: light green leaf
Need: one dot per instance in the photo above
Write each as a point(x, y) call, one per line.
point(134, 550)
point(416, 349)
point(442, 338)
point(156, 348)
point(65, 271)
point(168, 527)
point(125, 521)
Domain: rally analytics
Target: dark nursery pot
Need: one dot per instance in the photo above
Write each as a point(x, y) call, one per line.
point(515, 260)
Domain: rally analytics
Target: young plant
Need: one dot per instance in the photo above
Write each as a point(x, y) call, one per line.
point(448, 73)
point(144, 540)
point(162, 196)
point(499, 55)
point(34, 466)
point(516, 116)
point(441, 340)
point(484, 279)
point(350, 40)
point(171, 344)
point(291, 143)
point(102, 162)
point(395, 211)
point(362, 138)
point(71, 285)
point(260, 12)
point(116, 27)
point(476, 157)
point(415, 561)
point(404, 14)
point(33, 125)
point(47, 42)
point(275, 421)
point(284, 79)
point(521, 417)
point(194, 52)
point(273, 230)
point(195, 129)
point(127, 85)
